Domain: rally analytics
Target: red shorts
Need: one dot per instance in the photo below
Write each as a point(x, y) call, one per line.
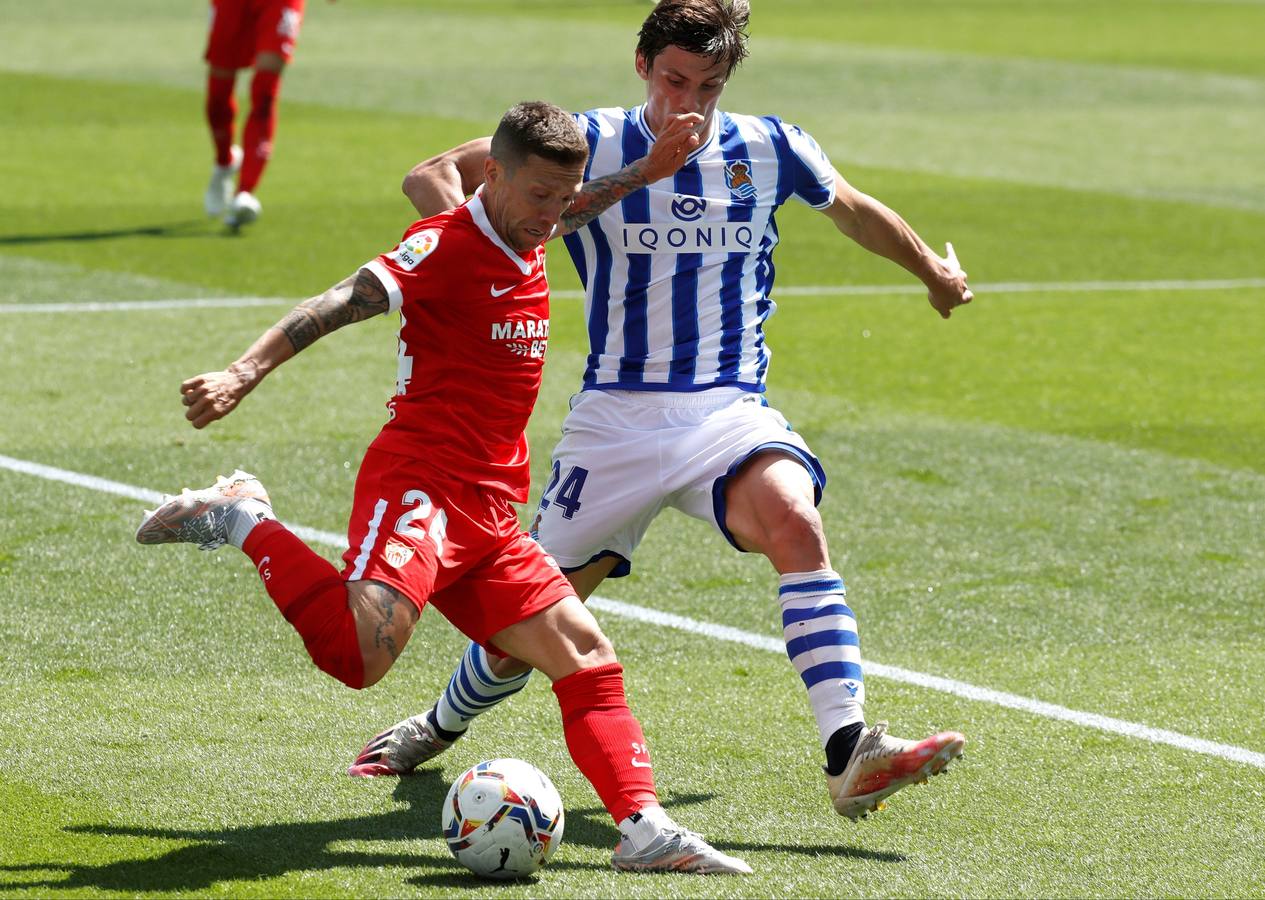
point(241, 29)
point(453, 545)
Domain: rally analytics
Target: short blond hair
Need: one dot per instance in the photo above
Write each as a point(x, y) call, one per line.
point(537, 128)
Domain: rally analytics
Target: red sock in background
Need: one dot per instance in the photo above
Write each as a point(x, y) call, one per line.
point(605, 739)
point(312, 596)
point(221, 110)
point(261, 125)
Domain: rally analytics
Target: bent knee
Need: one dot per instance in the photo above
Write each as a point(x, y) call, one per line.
point(795, 524)
point(799, 524)
point(591, 650)
point(600, 653)
point(270, 62)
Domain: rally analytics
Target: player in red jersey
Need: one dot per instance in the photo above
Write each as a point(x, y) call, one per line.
point(245, 33)
point(432, 520)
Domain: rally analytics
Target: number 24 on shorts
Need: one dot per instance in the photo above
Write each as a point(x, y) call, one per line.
point(422, 510)
point(564, 491)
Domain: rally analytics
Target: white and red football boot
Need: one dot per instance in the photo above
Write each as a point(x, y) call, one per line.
point(881, 765)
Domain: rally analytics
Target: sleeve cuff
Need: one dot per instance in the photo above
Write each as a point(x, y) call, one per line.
point(394, 296)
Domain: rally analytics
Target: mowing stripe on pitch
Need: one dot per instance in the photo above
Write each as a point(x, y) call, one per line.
point(130, 305)
point(823, 290)
point(738, 636)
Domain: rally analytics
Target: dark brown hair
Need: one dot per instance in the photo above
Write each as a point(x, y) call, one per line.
point(540, 128)
point(715, 28)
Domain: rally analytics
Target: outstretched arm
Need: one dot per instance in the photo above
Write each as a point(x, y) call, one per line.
point(213, 395)
point(444, 181)
point(880, 230)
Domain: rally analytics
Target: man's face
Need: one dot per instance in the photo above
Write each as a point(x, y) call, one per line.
point(525, 203)
point(678, 81)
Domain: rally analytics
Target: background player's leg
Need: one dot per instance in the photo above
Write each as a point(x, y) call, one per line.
point(822, 642)
point(221, 111)
point(769, 509)
point(261, 125)
point(586, 580)
point(261, 122)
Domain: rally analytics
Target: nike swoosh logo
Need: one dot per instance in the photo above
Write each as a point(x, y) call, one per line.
point(496, 293)
point(639, 765)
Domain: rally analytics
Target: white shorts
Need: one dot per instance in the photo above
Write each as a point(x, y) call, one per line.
point(625, 455)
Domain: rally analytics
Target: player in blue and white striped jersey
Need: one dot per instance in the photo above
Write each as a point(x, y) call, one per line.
point(679, 278)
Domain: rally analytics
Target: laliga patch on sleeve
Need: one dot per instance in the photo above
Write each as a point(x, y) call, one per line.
point(415, 248)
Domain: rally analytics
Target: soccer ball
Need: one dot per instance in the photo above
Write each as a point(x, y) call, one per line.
point(502, 819)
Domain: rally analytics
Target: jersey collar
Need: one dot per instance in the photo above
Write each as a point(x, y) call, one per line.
point(480, 215)
point(639, 116)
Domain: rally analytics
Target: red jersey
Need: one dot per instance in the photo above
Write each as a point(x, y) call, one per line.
point(474, 322)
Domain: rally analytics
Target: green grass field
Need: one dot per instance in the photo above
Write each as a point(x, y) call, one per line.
point(1058, 495)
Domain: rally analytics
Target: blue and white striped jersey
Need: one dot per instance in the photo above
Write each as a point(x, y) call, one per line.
point(678, 276)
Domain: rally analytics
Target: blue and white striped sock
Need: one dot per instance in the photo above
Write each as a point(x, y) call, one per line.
point(473, 689)
point(821, 640)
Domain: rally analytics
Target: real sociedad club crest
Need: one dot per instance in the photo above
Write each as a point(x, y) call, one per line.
point(738, 179)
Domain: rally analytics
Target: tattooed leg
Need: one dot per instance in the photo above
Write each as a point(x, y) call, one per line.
point(384, 623)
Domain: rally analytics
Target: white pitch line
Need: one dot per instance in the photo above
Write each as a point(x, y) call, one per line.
point(737, 636)
point(826, 290)
point(946, 685)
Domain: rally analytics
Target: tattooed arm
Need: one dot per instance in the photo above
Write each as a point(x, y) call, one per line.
point(444, 181)
point(213, 395)
point(671, 147)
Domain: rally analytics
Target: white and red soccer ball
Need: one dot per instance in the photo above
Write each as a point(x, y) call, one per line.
point(502, 819)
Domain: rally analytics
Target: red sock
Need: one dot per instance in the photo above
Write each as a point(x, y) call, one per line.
point(605, 739)
point(313, 598)
point(221, 110)
point(261, 125)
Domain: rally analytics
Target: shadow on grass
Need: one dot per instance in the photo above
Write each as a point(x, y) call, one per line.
point(269, 851)
point(258, 852)
point(170, 229)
